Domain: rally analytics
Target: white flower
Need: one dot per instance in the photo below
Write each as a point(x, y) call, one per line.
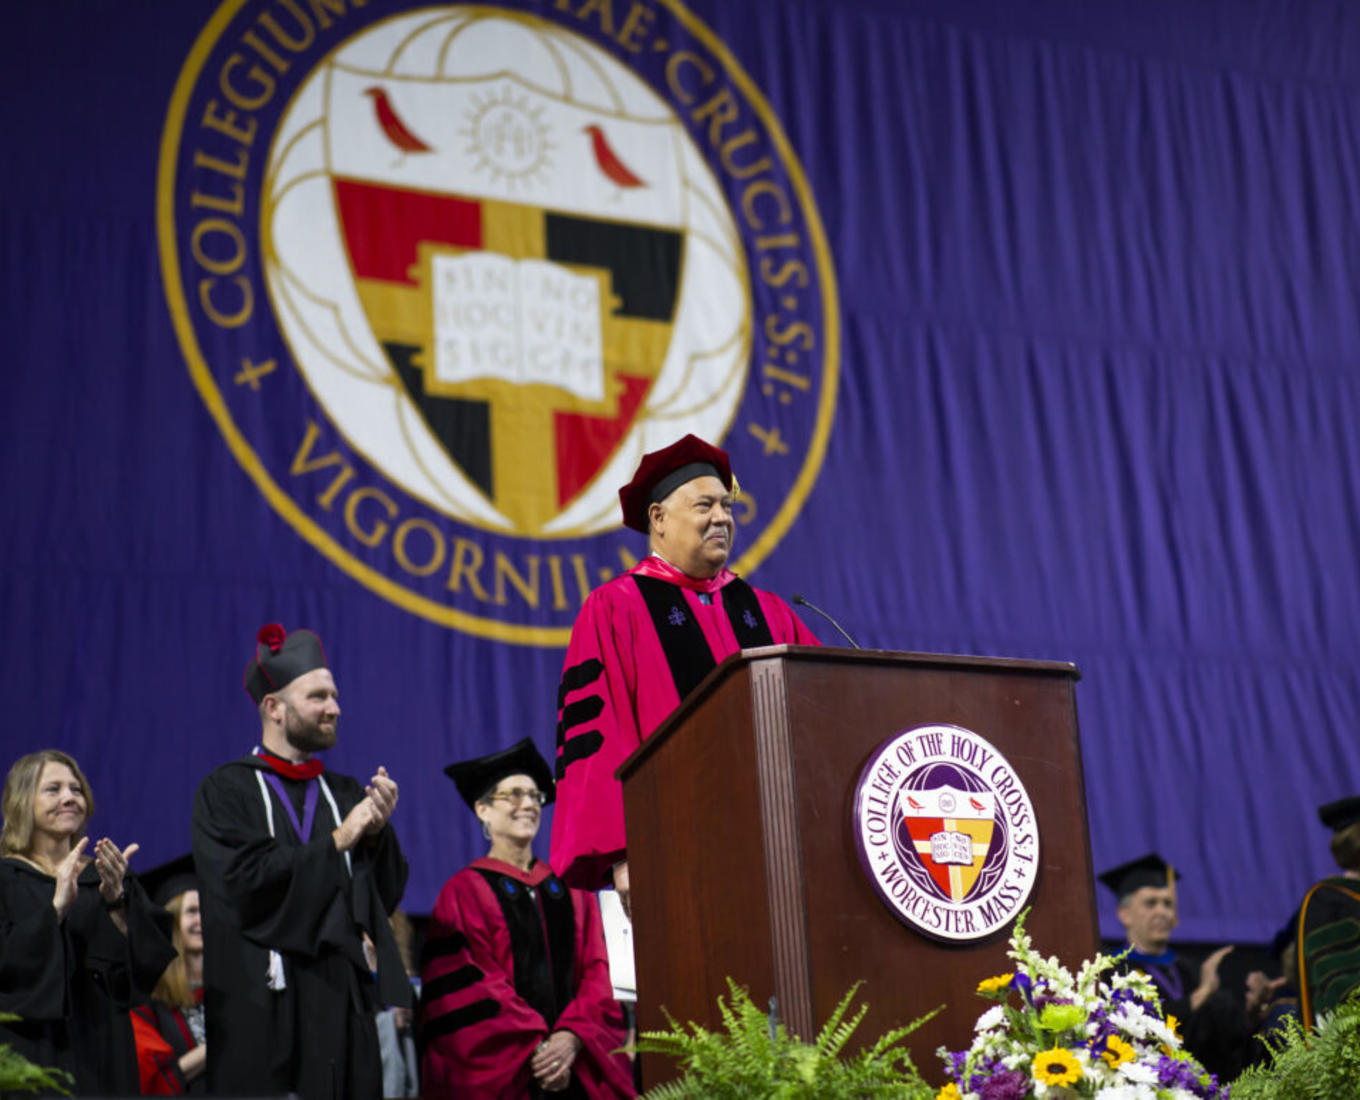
point(1160, 1029)
point(1133, 1020)
point(1139, 1073)
point(993, 1017)
point(1126, 1092)
point(988, 1044)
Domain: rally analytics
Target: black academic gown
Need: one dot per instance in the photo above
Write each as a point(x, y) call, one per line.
point(1215, 1033)
point(72, 981)
point(1327, 945)
point(316, 1035)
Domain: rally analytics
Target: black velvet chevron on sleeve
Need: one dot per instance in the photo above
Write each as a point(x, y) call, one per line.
point(571, 744)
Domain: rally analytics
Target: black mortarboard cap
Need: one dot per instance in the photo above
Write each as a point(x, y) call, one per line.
point(1341, 814)
point(173, 877)
point(474, 778)
point(1148, 870)
point(280, 658)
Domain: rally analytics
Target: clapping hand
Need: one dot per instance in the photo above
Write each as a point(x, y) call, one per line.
point(370, 814)
point(1261, 990)
point(112, 865)
point(382, 796)
point(64, 895)
point(1208, 978)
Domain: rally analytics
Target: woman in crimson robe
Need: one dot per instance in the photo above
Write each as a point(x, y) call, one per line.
point(516, 999)
point(172, 1051)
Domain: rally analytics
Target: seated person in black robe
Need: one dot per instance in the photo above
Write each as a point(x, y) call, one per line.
point(1327, 932)
point(294, 866)
point(80, 942)
point(1213, 1023)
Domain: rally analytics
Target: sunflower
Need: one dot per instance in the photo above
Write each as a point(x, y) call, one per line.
point(949, 1092)
point(1117, 1052)
point(1056, 1067)
point(989, 986)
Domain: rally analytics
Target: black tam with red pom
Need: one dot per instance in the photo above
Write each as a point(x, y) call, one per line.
point(280, 658)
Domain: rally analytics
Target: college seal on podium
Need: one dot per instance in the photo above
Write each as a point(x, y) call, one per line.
point(946, 832)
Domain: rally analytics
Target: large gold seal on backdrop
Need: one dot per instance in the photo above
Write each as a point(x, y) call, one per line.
point(443, 276)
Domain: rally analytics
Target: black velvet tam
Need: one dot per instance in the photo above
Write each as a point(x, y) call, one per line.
point(1341, 814)
point(475, 777)
point(280, 658)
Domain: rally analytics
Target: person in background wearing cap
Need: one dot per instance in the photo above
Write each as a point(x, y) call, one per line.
point(644, 640)
point(1213, 1024)
point(294, 866)
point(1327, 930)
point(169, 1028)
point(516, 995)
point(79, 938)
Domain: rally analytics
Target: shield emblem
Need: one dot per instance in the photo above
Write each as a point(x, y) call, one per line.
point(950, 831)
point(518, 257)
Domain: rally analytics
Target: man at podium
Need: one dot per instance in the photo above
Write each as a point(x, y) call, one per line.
point(644, 640)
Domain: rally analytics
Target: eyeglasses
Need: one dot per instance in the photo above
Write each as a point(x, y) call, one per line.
point(520, 794)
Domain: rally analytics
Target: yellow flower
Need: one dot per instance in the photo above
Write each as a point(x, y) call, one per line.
point(949, 1092)
point(1175, 1026)
point(1056, 1067)
point(999, 984)
point(1117, 1052)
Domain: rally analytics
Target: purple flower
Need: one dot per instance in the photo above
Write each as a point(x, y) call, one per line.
point(954, 1064)
point(1025, 984)
point(1006, 1084)
point(1104, 1029)
point(1212, 1090)
point(1174, 1073)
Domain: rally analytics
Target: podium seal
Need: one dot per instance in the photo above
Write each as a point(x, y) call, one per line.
point(946, 832)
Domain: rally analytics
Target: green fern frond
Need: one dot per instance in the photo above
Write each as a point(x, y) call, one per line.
point(18, 1074)
point(1308, 1065)
point(753, 1060)
point(836, 1031)
point(837, 1014)
point(671, 1090)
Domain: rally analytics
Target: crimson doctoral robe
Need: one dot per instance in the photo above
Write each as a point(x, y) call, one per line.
point(511, 956)
point(642, 642)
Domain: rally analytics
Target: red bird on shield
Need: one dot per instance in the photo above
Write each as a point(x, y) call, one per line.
point(609, 161)
point(396, 130)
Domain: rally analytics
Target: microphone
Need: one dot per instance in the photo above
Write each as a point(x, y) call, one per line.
point(804, 603)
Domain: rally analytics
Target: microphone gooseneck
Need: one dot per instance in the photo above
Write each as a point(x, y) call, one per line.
point(798, 599)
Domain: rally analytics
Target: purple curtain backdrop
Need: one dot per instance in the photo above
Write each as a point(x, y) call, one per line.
point(1098, 267)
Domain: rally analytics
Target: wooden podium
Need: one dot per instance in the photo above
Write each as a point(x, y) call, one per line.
point(742, 853)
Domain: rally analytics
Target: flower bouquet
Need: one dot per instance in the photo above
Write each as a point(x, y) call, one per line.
point(1050, 1035)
